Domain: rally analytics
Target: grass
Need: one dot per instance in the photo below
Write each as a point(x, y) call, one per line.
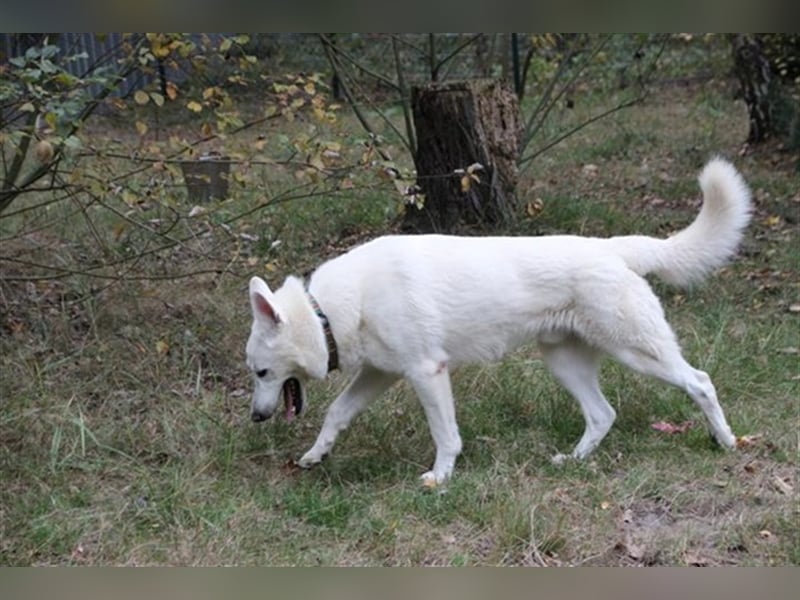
point(115, 449)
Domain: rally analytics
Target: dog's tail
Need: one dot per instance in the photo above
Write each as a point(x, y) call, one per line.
point(706, 244)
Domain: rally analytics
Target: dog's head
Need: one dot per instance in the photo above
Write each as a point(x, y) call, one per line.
point(284, 348)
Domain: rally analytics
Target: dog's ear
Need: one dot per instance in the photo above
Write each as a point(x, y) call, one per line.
point(262, 301)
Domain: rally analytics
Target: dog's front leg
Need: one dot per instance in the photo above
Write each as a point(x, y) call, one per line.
point(432, 384)
point(368, 384)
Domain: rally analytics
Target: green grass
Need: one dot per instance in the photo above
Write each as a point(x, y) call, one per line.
point(115, 450)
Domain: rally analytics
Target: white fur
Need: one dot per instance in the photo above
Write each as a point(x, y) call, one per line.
point(419, 306)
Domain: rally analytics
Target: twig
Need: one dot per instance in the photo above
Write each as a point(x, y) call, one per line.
point(404, 94)
point(360, 66)
point(530, 157)
point(348, 94)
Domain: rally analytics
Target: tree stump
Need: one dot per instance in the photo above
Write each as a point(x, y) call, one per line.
point(459, 124)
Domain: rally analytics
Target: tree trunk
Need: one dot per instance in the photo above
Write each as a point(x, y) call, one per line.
point(754, 73)
point(459, 124)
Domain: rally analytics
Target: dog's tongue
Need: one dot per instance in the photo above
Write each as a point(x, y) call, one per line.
point(292, 398)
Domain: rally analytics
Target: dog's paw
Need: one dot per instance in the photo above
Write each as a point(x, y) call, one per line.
point(309, 459)
point(729, 441)
point(432, 481)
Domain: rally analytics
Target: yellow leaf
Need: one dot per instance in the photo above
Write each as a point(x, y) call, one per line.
point(534, 207)
point(141, 97)
point(172, 90)
point(162, 347)
point(161, 51)
point(315, 160)
point(157, 98)
point(466, 183)
point(141, 127)
point(745, 441)
point(194, 106)
point(129, 198)
point(118, 230)
point(310, 88)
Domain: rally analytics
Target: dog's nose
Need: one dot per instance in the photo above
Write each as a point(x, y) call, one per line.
point(258, 417)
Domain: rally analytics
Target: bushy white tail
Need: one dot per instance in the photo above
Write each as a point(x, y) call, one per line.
point(708, 243)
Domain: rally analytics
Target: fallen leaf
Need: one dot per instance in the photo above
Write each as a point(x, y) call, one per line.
point(290, 467)
point(779, 484)
point(752, 467)
point(605, 505)
point(694, 560)
point(745, 441)
point(635, 551)
point(666, 427)
point(162, 347)
point(795, 308)
point(765, 533)
point(590, 169)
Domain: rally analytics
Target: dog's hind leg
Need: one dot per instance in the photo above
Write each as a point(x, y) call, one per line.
point(432, 384)
point(671, 367)
point(368, 384)
point(575, 365)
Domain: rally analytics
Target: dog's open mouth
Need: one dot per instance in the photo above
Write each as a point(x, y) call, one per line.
point(292, 398)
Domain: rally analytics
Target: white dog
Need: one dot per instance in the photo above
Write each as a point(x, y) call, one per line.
point(418, 306)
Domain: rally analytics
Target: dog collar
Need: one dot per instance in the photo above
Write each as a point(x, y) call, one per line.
point(333, 351)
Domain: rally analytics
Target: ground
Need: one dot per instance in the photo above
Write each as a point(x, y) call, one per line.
point(125, 435)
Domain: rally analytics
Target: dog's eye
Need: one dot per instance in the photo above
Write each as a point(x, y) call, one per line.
point(262, 373)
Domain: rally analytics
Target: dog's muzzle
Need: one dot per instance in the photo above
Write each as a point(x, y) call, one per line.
point(257, 417)
point(293, 400)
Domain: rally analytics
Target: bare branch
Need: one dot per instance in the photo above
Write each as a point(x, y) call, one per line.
point(404, 96)
point(526, 159)
point(359, 65)
point(338, 68)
